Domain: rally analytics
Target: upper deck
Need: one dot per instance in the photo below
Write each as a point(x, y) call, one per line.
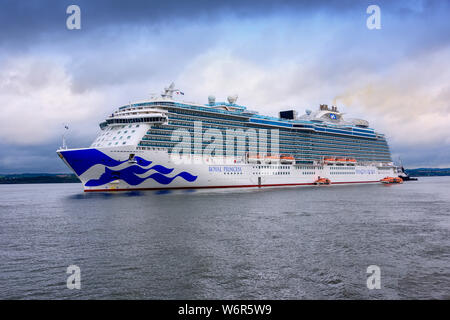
point(324, 120)
point(308, 137)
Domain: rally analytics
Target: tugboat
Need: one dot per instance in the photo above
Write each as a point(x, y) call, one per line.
point(404, 176)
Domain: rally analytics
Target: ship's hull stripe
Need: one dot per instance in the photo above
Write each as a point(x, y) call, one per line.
point(223, 187)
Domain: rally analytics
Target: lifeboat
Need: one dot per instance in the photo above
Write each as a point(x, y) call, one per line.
point(272, 159)
point(341, 160)
point(322, 181)
point(391, 180)
point(255, 159)
point(329, 160)
point(351, 160)
point(287, 159)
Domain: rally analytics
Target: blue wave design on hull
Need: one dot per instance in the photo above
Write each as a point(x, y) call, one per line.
point(129, 176)
point(82, 160)
point(162, 169)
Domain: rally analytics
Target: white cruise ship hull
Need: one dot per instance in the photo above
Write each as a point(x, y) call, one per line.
point(110, 169)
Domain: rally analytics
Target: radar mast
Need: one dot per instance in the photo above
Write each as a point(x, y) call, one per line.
point(168, 92)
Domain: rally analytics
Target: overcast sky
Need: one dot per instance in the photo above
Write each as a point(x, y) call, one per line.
point(273, 54)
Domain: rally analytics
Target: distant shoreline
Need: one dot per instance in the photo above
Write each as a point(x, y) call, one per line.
point(25, 178)
point(428, 172)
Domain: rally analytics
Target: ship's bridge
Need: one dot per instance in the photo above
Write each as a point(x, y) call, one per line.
point(151, 115)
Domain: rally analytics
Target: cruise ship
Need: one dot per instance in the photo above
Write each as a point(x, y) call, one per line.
point(166, 143)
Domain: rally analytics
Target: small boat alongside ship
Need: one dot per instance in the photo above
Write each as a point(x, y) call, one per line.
point(322, 181)
point(391, 180)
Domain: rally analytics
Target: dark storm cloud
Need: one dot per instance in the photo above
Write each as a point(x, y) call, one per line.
point(26, 22)
point(33, 159)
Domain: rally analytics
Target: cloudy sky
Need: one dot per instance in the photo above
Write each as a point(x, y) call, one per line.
point(273, 54)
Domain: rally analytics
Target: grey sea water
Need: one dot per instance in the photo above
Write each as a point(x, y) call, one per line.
point(290, 243)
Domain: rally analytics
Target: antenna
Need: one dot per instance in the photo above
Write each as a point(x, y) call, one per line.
point(401, 164)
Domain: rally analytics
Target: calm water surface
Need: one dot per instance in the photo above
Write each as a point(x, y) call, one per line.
point(290, 243)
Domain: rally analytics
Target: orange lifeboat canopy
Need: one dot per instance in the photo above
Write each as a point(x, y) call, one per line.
point(255, 158)
point(322, 181)
point(287, 159)
point(272, 159)
point(389, 180)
